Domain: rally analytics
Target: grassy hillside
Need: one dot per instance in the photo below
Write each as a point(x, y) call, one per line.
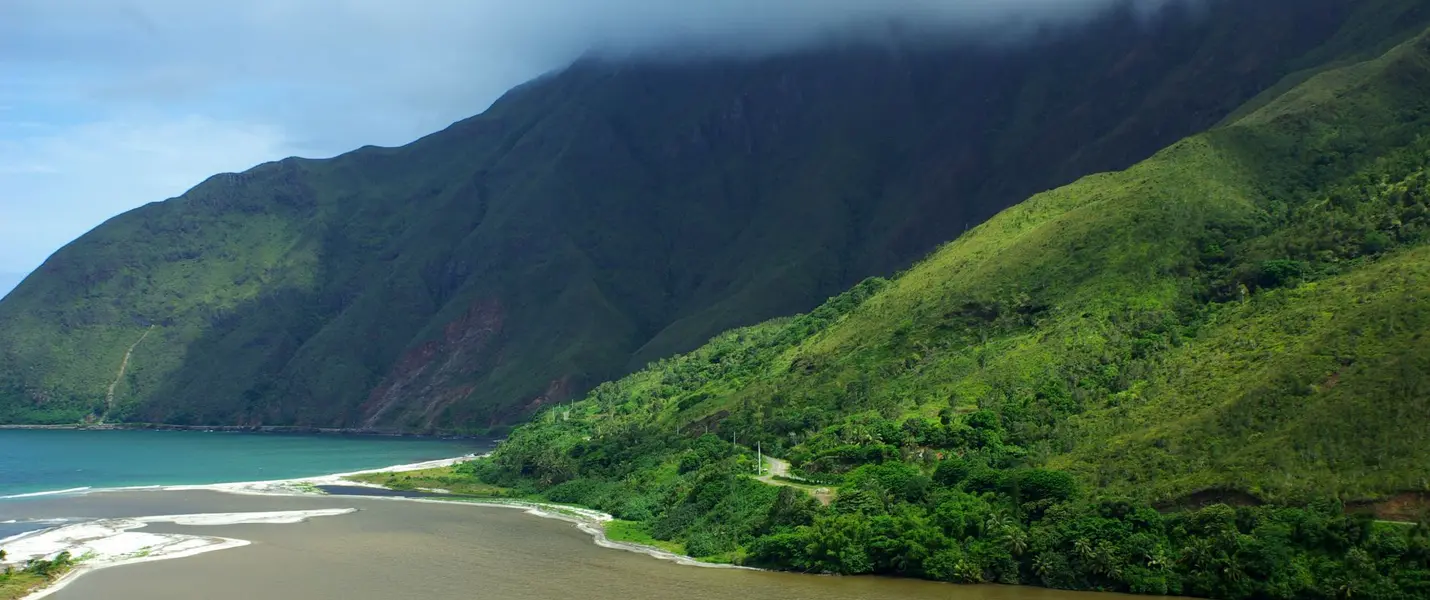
point(1242, 318)
point(606, 216)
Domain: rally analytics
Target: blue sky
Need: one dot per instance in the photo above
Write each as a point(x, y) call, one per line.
point(106, 105)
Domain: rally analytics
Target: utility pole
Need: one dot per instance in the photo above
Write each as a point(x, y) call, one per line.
point(733, 500)
point(759, 459)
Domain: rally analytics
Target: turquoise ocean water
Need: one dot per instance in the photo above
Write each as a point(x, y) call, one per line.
point(34, 461)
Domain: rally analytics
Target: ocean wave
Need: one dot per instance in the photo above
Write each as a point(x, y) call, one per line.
point(78, 490)
point(303, 486)
point(295, 486)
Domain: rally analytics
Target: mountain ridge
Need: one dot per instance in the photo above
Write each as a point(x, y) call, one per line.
point(1204, 375)
point(9, 281)
point(595, 220)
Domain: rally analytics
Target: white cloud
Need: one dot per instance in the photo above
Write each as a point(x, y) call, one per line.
point(107, 87)
point(59, 183)
point(419, 64)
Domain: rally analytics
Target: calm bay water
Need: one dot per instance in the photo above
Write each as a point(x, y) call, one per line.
point(48, 460)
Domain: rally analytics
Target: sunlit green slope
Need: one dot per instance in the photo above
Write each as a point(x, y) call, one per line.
point(1245, 312)
point(615, 213)
point(1205, 375)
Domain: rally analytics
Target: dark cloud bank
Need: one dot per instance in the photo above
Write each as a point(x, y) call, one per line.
point(128, 101)
point(425, 58)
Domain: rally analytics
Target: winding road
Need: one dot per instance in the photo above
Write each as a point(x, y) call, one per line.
point(780, 468)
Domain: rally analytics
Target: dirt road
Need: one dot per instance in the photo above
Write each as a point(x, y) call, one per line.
point(775, 467)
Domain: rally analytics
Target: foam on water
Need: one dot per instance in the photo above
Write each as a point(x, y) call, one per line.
point(108, 543)
point(112, 542)
point(77, 490)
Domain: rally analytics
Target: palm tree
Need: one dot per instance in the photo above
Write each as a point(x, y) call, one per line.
point(1015, 539)
point(1348, 589)
point(1198, 554)
point(1232, 570)
point(1157, 559)
point(996, 523)
point(1044, 564)
point(1106, 561)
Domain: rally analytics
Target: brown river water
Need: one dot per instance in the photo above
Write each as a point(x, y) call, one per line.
point(391, 549)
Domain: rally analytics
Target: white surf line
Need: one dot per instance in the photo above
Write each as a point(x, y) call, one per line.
point(587, 520)
point(300, 486)
point(50, 493)
point(303, 486)
point(590, 521)
point(112, 542)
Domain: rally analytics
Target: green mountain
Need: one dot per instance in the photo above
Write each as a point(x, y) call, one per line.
point(1206, 374)
point(8, 281)
point(611, 214)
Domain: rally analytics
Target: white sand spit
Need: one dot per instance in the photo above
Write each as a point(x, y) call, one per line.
point(277, 487)
point(304, 485)
point(113, 542)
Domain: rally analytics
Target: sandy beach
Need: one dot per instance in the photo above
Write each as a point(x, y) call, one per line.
point(106, 541)
point(110, 541)
point(278, 539)
point(401, 549)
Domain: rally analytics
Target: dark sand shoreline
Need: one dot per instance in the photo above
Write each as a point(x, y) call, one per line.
point(437, 550)
point(400, 546)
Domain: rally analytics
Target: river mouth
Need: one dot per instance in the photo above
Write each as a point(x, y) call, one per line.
point(389, 548)
point(358, 541)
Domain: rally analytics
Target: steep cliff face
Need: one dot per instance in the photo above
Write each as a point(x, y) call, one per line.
point(606, 216)
point(1207, 375)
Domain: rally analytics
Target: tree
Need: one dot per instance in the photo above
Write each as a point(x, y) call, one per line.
point(997, 523)
point(1084, 549)
point(1043, 484)
point(792, 508)
point(1015, 540)
point(950, 472)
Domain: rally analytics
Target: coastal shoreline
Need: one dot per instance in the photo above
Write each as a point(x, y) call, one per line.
point(107, 543)
point(277, 429)
point(294, 486)
point(589, 521)
point(124, 547)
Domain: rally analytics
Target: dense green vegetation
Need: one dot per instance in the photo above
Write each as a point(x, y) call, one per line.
point(1196, 376)
point(443, 480)
point(612, 214)
point(35, 573)
point(1207, 374)
point(961, 521)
